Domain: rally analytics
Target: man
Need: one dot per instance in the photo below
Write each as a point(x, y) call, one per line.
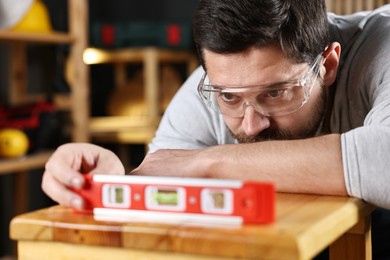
point(285, 94)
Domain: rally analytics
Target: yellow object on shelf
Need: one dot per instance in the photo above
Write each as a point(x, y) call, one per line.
point(36, 19)
point(13, 143)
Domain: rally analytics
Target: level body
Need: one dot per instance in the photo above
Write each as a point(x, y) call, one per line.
point(179, 199)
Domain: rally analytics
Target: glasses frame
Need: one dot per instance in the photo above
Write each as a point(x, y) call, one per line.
point(312, 72)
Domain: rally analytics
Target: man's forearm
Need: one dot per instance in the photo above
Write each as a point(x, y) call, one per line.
point(304, 166)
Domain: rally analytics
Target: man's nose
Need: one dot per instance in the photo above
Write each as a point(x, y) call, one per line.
point(254, 122)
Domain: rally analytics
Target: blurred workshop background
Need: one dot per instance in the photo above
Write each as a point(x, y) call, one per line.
point(88, 71)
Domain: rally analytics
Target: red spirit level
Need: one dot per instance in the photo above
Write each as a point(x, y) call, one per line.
point(179, 200)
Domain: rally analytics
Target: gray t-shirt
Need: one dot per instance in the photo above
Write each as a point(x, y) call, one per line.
point(361, 112)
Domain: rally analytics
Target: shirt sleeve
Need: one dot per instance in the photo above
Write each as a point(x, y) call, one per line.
point(362, 105)
point(188, 123)
point(366, 153)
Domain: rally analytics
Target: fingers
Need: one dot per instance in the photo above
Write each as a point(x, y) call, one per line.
point(60, 193)
point(108, 163)
point(60, 175)
point(60, 169)
point(64, 171)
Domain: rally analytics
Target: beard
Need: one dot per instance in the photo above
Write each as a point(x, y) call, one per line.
point(311, 129)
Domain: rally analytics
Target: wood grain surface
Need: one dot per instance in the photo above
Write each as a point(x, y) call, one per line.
point(305, 225)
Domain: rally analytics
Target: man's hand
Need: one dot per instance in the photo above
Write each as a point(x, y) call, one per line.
point(65, 167)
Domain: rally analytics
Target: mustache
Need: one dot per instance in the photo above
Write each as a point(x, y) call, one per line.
point(265, 135)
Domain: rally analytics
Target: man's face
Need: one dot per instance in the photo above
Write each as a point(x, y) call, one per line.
point(266, 66)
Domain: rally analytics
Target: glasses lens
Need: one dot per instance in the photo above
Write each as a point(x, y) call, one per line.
point(277, 100)
point(270, 102)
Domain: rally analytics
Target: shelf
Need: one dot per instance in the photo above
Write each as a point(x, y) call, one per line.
point(24, 163)
point(117, 123)
point(77, 101)
point(61, 101)
point(121, 129)
point(127, 55)
point(139, 135)
point(43, 38)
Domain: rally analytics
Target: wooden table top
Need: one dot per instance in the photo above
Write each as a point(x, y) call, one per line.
point(305, 225)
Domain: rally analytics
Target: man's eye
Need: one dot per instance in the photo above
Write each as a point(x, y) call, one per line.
point(275, 93)
point(228, 97)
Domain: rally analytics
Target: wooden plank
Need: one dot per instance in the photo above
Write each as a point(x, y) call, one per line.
point(117, 123)
point(47, 250)
point(120, 75)
point(193, 64)
point(330, 5)
point(101, 56)
point(36, 160)
point(173, 56)
point(78, 26)
point(18, 73)
point(20, 191)
point(134, 55)
point(359, 5)
point(131, 136)
point(121, 129)
point(152, 78)
point(351, 6)
point(39, 38)
point(356, 244)
point(62, 101)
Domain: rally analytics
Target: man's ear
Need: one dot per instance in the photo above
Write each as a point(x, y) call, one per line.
point(331, 62)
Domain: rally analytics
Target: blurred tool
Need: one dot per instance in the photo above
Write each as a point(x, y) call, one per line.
point(139, 34)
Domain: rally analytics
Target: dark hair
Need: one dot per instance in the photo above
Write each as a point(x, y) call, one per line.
point(298, 27)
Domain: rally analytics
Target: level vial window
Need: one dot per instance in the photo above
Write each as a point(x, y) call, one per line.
point(218, 201)
point(165, 198)
point(115, 195)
